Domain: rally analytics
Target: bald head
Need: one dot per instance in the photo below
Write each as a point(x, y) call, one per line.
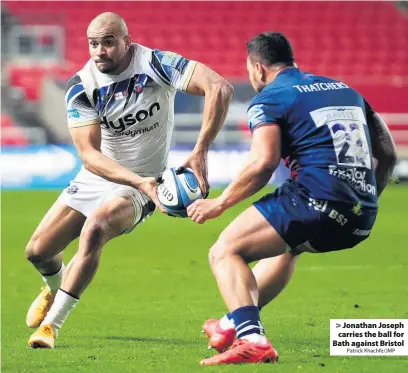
point(109, 43)
point(107, 24)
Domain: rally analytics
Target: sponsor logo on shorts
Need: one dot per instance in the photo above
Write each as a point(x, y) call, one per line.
point(355, 177)
point(362, 232)
point(72, 189)
point(318, 205)
point(357, 209)
point(339, 218)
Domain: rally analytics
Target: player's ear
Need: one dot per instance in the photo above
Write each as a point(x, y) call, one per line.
point(260, 71)
point(128, 41)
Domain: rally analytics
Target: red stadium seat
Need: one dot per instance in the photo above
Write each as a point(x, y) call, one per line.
point(363, 43)
point(205, 27)
point(11, 133)
point(29, 78)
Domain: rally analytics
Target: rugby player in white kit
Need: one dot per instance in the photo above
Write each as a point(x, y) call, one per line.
point(120, 110)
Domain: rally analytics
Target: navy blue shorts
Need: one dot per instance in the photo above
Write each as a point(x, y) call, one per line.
point(310, 225)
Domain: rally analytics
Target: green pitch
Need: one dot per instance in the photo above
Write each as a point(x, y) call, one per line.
point(144, 310)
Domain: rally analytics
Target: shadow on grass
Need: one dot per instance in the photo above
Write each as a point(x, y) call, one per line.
point(155, 340)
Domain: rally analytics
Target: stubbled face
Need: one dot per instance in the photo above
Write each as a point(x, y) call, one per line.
point(107, 49)
point(255, 75)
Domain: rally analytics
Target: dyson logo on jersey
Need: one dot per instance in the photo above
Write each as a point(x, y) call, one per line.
point(354, 177)
point(130, 119)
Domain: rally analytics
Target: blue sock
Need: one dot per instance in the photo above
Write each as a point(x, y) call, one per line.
point(247, 321)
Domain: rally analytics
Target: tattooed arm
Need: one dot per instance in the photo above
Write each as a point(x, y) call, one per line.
point(383, 148)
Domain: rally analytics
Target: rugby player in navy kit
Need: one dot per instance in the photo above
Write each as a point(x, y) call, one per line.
point(341, 156)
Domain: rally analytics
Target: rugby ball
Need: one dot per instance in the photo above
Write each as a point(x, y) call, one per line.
point(178, 188)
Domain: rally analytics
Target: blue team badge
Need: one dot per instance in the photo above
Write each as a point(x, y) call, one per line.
point(73, 113)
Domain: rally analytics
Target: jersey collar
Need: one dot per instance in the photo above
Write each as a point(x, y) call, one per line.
point(287, 70)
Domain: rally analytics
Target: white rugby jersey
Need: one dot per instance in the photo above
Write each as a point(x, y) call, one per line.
point(135, 109)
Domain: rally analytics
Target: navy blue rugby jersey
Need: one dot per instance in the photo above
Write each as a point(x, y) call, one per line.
point(325, 137)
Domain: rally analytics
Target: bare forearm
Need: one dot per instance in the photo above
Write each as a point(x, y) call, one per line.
point(103, 166)
point(251, 179)
point(384, 151)
point(216, 104)
point(383, 172)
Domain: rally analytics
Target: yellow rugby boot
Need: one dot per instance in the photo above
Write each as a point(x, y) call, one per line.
point(38, 310)
point(43, 337)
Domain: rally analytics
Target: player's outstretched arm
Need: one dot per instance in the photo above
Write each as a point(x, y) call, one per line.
point(218, 93)
point(264, 158)
point(383, 149)
point(87, 140)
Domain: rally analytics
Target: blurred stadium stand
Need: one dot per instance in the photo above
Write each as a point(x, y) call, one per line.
point(365, 44)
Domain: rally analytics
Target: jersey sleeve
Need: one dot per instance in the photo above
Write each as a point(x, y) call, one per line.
point(173, 69)
point(80, 111)
point(265, 114)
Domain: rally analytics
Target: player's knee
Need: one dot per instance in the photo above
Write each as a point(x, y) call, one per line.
point(36, 250)
point(220, 250)
point(94, 233)
point(213, 256)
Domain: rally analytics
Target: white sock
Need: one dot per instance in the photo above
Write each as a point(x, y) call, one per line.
point(226, 323)
point(256, 338)
point(61, 308)
point(54, 281)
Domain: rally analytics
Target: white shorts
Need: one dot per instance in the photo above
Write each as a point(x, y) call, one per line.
point(87, 192)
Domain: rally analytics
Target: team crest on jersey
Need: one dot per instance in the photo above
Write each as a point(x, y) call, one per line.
point(127, 91)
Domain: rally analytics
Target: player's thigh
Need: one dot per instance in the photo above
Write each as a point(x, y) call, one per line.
point(121, 210)
point(110, 220)
point(60, 225)
point(250, 236)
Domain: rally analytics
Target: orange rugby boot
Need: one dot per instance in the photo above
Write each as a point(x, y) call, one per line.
point(40, 307)
point(244, 352)
point(219, 338)
point(43, 337)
